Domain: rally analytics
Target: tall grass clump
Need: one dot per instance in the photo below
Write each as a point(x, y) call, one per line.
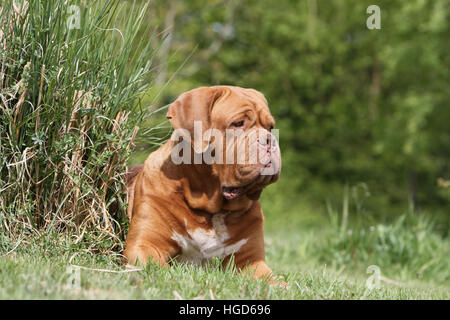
point(409, 247)
point(69, 113)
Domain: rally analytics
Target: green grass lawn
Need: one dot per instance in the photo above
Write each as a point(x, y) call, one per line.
point(305, 250)
point(42, 273)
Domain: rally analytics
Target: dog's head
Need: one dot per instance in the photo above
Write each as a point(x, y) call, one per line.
point(231, 128)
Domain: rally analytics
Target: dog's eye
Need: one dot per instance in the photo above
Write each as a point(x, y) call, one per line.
point(238, 124)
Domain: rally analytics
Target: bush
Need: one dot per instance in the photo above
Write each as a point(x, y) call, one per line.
point(66, 96)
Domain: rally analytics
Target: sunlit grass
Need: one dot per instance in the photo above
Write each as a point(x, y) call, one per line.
point(311, 258)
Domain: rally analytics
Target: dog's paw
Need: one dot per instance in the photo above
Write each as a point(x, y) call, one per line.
point(276, 282)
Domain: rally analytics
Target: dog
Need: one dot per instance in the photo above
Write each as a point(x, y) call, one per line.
point(197, 210)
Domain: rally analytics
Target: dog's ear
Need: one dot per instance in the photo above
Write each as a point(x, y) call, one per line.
point(192, 106)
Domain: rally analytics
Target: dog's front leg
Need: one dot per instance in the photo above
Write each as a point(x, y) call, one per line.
point(261, 270)
point(142, 254)
point(250, 259)
point(147, 239)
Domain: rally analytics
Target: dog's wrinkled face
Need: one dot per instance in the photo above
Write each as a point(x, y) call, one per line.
point(236, 133)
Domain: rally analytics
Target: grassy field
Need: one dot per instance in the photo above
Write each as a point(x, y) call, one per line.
point(306, 249)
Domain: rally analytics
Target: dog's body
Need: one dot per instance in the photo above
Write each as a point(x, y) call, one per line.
point(195, 212)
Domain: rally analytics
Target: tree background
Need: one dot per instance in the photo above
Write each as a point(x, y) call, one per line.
point(360, 110)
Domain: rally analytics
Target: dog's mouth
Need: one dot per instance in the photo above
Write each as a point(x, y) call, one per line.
point(252, 190)
point(256, 180)
point(231, 193)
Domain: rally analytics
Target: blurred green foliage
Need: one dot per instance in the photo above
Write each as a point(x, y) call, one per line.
point(354, 106)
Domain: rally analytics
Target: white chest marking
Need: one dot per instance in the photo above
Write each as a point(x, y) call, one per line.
point(203, 244)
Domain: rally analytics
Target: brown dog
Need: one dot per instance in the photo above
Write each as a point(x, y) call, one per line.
point(195, 212)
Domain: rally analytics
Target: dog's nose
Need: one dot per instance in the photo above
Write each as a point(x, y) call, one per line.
point(265, 139)
point(265, 147)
